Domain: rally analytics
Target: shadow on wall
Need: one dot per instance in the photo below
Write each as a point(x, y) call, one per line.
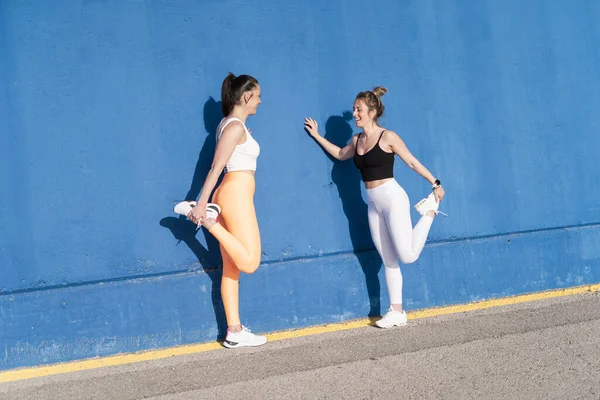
point(185, 231)
point(348, 181)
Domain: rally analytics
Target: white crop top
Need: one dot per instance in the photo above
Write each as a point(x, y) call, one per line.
point(244, 156)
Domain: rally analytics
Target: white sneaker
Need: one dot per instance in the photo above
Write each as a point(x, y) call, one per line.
point(212, 211)
point(428, 204)
point(392, 318)
point(184, 208)
point(243, 338)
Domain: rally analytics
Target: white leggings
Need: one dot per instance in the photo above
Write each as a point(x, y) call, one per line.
point(393, 234)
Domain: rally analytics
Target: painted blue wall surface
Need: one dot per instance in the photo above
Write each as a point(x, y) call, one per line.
point(107, 118)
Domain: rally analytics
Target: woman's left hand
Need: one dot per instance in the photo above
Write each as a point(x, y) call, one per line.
point(439, 193)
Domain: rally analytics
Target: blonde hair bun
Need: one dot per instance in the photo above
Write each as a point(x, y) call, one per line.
point(379, 91)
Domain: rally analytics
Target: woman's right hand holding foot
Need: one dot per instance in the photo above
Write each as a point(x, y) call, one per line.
point(198, 213)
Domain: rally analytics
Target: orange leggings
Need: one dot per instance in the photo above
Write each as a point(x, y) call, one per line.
point(238, 235)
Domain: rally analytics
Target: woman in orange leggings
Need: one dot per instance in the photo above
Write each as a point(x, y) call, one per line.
point(231, 218)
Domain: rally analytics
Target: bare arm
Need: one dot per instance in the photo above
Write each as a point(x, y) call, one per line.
point(336, 152)
point(230, 138)
point(399, 147)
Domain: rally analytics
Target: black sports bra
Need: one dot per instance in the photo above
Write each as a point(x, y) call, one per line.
point(375, 164)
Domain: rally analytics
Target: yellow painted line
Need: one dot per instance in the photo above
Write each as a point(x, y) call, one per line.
point(504, 301)
point(74, 366)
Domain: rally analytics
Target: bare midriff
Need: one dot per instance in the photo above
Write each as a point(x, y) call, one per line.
point(374, 184)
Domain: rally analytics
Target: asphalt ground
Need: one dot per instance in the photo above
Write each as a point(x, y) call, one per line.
point(545, 349)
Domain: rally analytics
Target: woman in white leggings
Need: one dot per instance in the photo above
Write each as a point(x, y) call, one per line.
point(374, 150)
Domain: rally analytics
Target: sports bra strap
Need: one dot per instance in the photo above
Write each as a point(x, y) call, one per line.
point(356, 144)
point(227, 122)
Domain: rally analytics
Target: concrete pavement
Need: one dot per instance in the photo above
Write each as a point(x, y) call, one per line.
point(547, 349)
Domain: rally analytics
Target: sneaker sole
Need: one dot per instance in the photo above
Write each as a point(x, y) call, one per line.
point(231, 345)
point(419, 204)
point(390, 326)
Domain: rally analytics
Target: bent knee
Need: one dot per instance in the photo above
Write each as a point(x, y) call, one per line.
point(408, 258)
point(250, 266)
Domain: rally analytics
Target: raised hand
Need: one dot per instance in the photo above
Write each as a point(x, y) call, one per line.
point(311, 126)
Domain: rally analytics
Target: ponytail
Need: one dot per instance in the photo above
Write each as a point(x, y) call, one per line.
point(232, 89)
point(227, 100)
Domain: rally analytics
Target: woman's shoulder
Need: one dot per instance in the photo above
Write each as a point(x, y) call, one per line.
point(355, 137)
point(389, 135)
point(231, 126)
point(227, 121)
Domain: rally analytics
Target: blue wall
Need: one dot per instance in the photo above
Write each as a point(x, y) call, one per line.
point(107, 115)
